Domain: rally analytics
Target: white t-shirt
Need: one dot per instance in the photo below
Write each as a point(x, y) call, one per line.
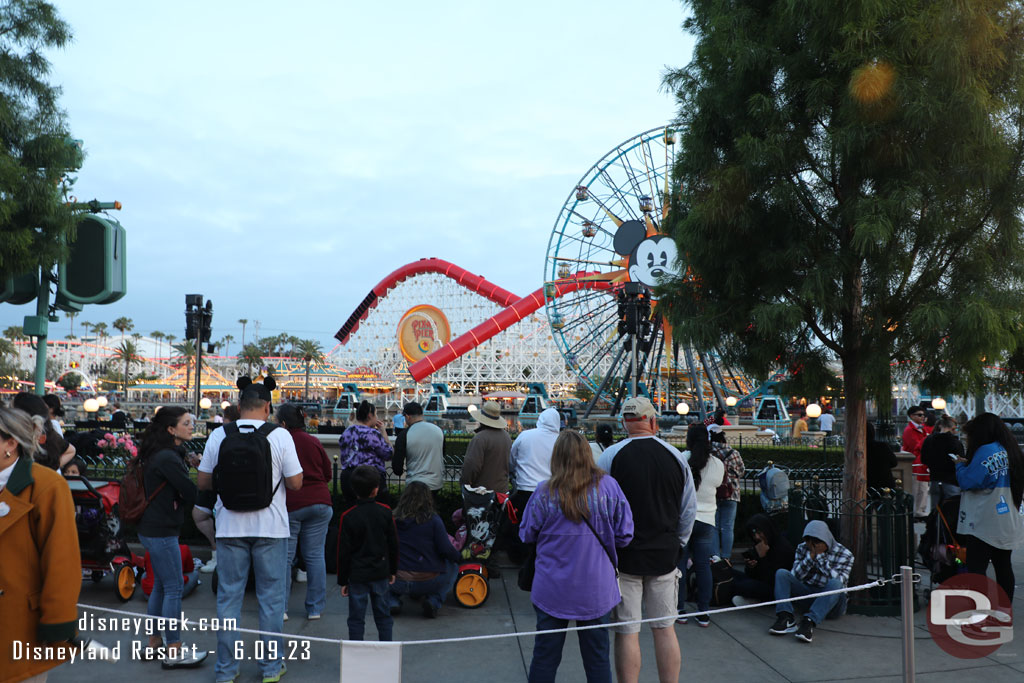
point(271, 521)
point(826, 422)
point(56, 426)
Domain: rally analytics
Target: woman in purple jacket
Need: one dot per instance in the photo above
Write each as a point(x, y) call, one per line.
point(577, 519)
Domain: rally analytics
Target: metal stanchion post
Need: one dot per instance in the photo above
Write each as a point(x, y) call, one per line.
point(907, 608)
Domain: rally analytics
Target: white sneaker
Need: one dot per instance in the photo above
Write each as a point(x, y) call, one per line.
point(285, 616)
point(211, 566)
point(184, 660)
point(740, 601)
point(300, 576)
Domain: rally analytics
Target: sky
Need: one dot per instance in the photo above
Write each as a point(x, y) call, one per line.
point(281, 159)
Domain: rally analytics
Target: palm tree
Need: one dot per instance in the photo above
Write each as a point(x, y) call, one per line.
point(250, 356)
point(226, 340)
point(311, 353)
point(124, 324)
point(71, 317)
point(187, 352)
point(243, 322)
point(15, 333)
point(159, 336)
point(128, 353)
point(101, 330)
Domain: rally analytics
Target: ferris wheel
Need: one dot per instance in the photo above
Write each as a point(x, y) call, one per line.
point(607, 252)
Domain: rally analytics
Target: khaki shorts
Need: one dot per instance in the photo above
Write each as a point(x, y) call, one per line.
point(659, 596)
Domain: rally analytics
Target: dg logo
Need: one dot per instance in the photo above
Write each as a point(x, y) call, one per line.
point(970, 616)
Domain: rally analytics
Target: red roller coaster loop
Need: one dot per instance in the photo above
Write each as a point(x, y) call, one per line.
point(510, 316)
point(474, 283)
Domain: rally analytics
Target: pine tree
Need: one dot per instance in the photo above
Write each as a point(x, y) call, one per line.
point(849, 188)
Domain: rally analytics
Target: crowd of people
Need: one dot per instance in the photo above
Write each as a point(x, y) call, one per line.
point(637, 518)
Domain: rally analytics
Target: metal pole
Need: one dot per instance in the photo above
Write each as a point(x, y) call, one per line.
point(42, 312)
point(199, 355)
point(907, 608)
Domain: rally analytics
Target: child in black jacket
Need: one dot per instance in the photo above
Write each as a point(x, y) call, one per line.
point(367, 556)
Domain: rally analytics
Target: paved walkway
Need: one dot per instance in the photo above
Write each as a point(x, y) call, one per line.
point(736, 647)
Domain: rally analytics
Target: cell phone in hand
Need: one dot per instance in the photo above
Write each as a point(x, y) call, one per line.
point(953, 456)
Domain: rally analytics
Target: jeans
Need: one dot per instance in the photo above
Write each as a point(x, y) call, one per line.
point(725, 520)
point(165, 600)
point(434, 590)
point(787, 585)
point(309, 529)
point(377, 594)
point(268, 557)
point(547, 649)
point(699, 548)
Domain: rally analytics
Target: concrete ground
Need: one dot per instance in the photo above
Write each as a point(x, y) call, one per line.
point(736, 647)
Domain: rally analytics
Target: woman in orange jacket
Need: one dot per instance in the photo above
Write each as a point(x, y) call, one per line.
point(41, 571)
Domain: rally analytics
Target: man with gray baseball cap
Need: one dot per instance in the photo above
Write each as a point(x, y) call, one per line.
point(658, 484)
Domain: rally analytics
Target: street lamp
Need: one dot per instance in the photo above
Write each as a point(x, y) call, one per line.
point(939, 403)
point(225, 405)
point(91, 405)
point(682, 408)
point(730, 401)
point(101, 402)
point(205, 403)
point(814, 411)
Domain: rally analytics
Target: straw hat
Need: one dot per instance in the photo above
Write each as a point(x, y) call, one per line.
point(489, 414)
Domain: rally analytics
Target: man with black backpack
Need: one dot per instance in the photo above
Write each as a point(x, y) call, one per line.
point(249, 464)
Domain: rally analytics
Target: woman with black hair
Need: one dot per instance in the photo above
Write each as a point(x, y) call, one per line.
point(708, 473)
point(309, 510)
point(365, 443)
point(604, 437)
point(170, 493)
point(991, 479)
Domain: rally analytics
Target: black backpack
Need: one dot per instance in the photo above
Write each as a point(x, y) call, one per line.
point(244, 475)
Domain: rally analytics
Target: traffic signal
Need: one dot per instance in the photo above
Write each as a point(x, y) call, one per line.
point(207, 322)
point(18, 289)
point(96, 271)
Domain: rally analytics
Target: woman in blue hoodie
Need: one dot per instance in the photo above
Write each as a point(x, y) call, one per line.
point(991, 479)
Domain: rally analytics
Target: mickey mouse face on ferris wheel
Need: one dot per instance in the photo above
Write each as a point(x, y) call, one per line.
point(652, 259)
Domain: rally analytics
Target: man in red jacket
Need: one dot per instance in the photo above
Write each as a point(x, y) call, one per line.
point(913, 436)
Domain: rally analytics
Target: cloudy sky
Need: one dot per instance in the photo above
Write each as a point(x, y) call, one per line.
point(282, 158)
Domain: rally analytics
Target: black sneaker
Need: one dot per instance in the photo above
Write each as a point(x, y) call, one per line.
point(806, 630)
point(429, 611)
point(785, 623)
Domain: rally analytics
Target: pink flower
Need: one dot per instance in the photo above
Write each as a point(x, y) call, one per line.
point(109, 436)
point(102, 443)
point(100, 456)
point(133, 450)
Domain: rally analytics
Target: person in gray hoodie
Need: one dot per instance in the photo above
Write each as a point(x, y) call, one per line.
point(530, 465)
point(822, 564)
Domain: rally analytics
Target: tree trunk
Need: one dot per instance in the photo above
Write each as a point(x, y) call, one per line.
point(307, 381)
point(855, 429)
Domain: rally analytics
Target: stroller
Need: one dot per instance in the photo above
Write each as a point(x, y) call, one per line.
point(101, 535)
point(941, 550)
point(483, 511)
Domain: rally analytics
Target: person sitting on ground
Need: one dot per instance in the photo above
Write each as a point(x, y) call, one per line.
point(189, 571)
point(367, 556)
point(771, 551)
point(936, 452)
point(822, 564)
point(427, 561)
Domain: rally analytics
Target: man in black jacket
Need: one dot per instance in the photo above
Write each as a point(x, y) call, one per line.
point(367, 556)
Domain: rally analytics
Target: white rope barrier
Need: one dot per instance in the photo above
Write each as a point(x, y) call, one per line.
point(519, 634)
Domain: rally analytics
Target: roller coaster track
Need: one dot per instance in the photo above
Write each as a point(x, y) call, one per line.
point(515, 308)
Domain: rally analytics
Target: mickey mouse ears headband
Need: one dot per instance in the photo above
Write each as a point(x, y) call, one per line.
point(247, 388)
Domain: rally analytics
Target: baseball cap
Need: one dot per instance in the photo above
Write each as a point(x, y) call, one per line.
point(639, 406)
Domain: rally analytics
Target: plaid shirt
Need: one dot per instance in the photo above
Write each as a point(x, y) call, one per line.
point(734, 467)
point(816, 572)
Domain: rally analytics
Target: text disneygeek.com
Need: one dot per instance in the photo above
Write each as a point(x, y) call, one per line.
point(151, 625)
